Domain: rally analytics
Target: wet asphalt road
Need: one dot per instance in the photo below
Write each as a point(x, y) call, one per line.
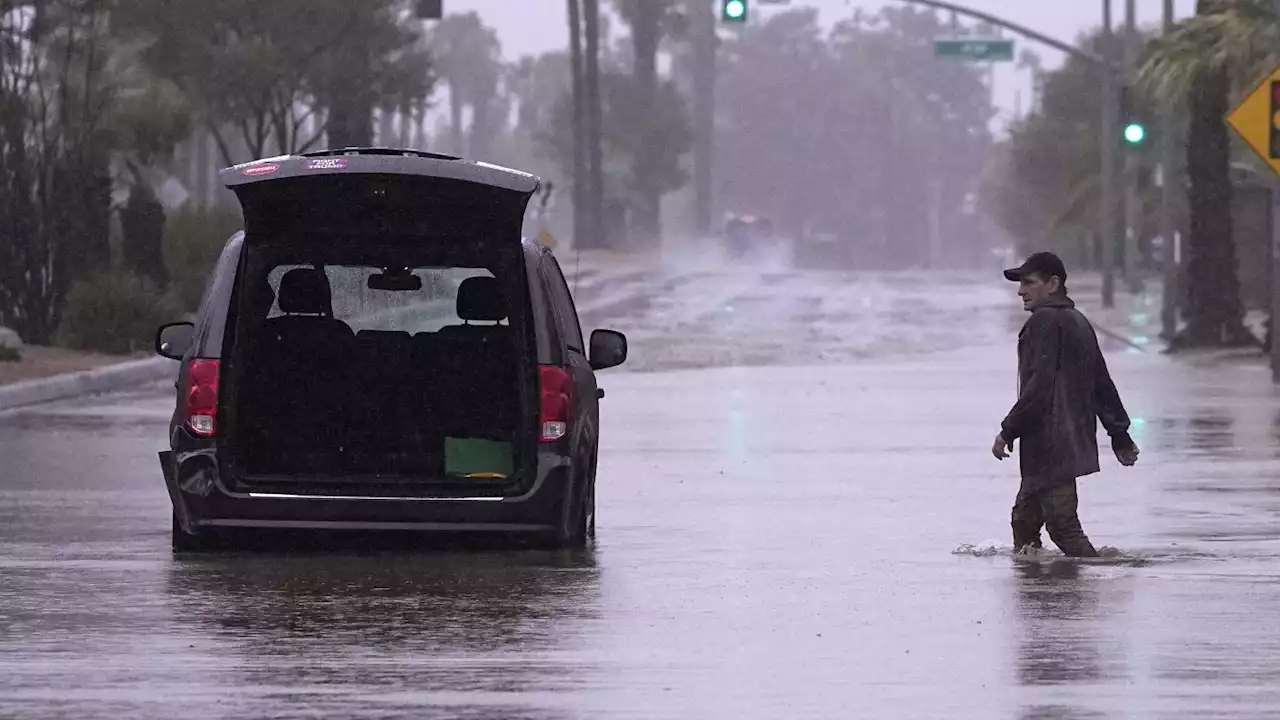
point(773, 542)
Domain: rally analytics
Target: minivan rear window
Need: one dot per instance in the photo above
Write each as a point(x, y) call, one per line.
point(369, 361)
point(427, 309)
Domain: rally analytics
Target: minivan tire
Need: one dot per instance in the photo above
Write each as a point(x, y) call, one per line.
point(575, 522)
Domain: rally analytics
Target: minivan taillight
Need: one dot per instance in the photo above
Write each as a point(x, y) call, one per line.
point(202, 397)
point(557, 402)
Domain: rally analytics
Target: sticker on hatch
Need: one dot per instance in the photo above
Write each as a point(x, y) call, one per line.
point(327, 164)
point(265, 169)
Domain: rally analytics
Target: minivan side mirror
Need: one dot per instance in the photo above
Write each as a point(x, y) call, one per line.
point(174, 339)
point(608, 349)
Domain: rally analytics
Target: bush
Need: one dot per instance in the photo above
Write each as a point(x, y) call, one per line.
point(10, 354)
point(193, 240)
point(114, 312)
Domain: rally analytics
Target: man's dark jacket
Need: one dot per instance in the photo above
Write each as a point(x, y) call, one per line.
point(1064, 388)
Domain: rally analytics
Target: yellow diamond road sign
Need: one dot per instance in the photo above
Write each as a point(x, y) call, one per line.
point(1257, 119)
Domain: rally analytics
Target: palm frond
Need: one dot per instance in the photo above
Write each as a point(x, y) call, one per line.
point(1240, 36)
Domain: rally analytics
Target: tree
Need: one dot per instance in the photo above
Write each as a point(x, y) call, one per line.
point(1047, 194)
point(578, 122)
point(859, 132)
point(147, 120)
point(593, 133)
point(537, 84)
point(286, 73)
point(703, 88)
point(647, 20)
point(54, 158)
point(468, 56)
point(1194, 66)
point(142, 227)
point(662, 134)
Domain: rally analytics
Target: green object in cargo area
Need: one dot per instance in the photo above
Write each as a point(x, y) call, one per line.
point(466, 457)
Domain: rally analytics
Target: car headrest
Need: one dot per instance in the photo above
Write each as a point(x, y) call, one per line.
point(481, 298)
point(305, 291)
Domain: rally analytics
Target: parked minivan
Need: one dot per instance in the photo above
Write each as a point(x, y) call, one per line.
point(380, 349)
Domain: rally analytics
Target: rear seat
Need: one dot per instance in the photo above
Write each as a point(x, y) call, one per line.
point(477, 361)
point(296, 376)
point(383, 402)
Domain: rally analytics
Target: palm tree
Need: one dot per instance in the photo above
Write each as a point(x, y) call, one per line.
point(704, 40)
point(593, 133)
point(469, 58)
point(579, 122)
point(647, 19)
point(1226, 45)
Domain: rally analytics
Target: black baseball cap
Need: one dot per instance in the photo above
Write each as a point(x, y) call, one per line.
point(1045, 263)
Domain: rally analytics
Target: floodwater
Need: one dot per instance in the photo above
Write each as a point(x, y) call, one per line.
point(826, 540)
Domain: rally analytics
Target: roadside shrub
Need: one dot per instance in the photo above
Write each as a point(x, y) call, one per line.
point(10, 354)
point(114, 312)
point(193, 240)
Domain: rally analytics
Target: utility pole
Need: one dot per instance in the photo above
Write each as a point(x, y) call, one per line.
point(1132, 219)
point(1168, 228)
point(1108, 137)
point(705, 51)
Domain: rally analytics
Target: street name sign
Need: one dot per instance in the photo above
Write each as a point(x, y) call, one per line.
point(974, 48)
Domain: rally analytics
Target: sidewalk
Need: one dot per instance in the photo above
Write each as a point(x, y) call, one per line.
point(1135, 318)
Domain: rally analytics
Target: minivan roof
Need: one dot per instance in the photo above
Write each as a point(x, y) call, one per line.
point(383, 161)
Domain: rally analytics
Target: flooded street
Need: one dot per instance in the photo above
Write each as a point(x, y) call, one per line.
point(818, 530)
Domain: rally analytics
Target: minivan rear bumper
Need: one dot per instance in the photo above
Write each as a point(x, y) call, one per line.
point(201, 500)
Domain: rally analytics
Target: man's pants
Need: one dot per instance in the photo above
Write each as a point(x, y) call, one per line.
point(1053, 506)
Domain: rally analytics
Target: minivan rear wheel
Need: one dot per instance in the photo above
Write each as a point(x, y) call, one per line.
point(577, 521)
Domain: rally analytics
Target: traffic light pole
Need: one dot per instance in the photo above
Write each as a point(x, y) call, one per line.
point(1106, 64)
point(1168, 227)
point(1132, 221)
point(1022, 30)
point(1106, 234)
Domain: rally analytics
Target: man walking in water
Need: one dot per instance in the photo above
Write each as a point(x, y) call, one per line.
point(1064, 388)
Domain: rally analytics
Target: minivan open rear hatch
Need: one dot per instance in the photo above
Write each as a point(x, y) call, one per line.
point(383, 343)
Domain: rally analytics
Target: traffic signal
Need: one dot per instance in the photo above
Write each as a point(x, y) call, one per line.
point(1134, 129)
point(1134, 132)
point(733, 10)
point(430, 9)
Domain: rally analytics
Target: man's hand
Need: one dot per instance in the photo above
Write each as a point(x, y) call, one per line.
point(1127, 455)
point(1001, 447)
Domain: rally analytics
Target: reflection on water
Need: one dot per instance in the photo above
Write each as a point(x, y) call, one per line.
point(1055, 604)
point(1058, 712)
point(1058, 605)
point(467, 630)
point(1210, 432)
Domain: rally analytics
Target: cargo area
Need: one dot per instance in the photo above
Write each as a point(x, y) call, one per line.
point(363, 376)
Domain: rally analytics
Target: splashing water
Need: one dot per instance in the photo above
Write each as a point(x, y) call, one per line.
point(992, 548)
point(986, 548)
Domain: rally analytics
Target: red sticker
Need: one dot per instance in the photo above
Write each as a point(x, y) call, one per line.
point(266, 169)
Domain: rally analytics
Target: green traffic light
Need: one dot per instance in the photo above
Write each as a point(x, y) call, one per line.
point(735, 9)
point(1134, 133)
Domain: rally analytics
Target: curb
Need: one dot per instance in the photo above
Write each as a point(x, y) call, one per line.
point(85, 382)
